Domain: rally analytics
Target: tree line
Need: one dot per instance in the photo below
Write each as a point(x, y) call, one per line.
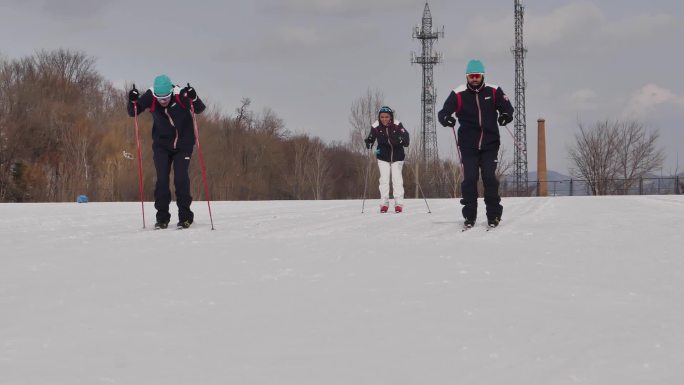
point(64, 131)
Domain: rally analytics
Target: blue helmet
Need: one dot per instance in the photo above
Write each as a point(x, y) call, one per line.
point(162, 85)
point(386, 109)
point(475, 67)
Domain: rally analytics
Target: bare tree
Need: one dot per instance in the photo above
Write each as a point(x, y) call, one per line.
point(362, 114)
point(447, 176)
point(592, 156)
point(636, 154)
point(243, 118)
point(612, 156)
point(504, 164)
point(301, 151)
point(317, 169)
point(364, 111)
point(271, 124)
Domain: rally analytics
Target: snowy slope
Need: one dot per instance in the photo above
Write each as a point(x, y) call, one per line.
point(568, 290)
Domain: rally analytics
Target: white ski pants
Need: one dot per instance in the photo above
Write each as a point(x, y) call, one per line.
point(393, 169)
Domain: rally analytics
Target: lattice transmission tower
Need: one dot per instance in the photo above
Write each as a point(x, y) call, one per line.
point(520, 117)
point(427, 59)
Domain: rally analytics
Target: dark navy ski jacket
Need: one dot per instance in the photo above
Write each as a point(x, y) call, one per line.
point(476, 111)
point(172, 127)
point(391, 140)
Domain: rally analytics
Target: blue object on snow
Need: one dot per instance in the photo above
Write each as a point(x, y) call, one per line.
point(82, 199)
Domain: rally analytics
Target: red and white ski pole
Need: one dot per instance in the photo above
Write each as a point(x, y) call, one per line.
point(140, 175)
point(199, 150)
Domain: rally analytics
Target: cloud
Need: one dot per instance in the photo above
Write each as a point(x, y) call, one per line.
point(299, 36)
point(579, 25)
point(584, 99)
point(566, 22)
point(294, 43)
point(65, 9)
point(334, 7)
point(75, 8)
point(639, 26)
point(494, 34)
point(483, 36)
point(586, 19)
point(649, 98)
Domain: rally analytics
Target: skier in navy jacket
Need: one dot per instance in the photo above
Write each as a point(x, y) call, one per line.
point(476, 106)
point(392, 138)
point(173, 140)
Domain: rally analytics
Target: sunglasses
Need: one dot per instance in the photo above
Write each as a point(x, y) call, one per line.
point(164, 98)
point(474, 76)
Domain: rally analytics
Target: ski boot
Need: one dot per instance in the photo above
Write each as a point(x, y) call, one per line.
point(493, 222)
point(184, 224)
point(161, 225)
point(468, 223)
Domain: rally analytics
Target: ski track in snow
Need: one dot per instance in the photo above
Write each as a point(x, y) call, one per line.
point(566, 290)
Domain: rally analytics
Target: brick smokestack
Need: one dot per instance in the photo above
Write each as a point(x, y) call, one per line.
point(542, 175)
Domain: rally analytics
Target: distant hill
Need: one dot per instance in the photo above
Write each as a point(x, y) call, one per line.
point(551, 176)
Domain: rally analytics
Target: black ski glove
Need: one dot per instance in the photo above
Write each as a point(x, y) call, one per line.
point(133, 95)
point(369, 142)
point(397, 138)
point(189, 92)
point(504, 119)
point(451, 121)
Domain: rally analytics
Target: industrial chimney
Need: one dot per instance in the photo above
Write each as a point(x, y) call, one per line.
point(542, 175)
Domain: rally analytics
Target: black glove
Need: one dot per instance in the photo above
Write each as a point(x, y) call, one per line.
point(451, 121)
point(369, 142)
point(189, 92)
point(133, 95)
point(504, 119)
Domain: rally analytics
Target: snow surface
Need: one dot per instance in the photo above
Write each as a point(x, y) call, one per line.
point(569, 290)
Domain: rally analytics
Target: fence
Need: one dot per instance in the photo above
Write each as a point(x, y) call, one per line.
point(579, 187)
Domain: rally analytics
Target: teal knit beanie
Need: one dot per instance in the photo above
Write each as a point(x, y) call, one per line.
point(162, 85)
point(475, 67)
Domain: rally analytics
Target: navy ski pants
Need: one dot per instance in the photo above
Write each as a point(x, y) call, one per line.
point(474, 162)
point(179, 160)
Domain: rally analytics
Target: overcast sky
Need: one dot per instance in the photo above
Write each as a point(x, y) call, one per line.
point(309, 59)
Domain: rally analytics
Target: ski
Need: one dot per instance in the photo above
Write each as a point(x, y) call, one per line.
point(491, 227)
point(468, 224)
point(468, 227)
